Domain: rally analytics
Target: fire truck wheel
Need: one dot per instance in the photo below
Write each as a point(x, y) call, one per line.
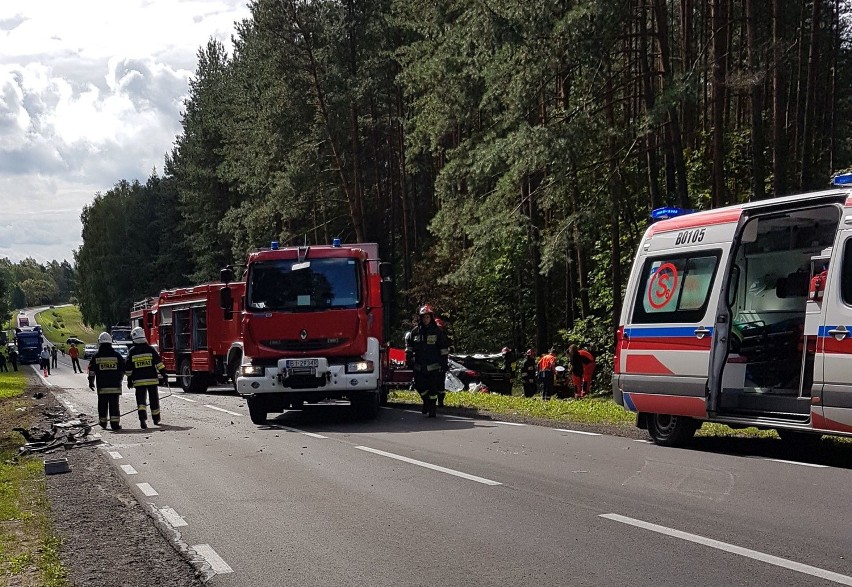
point(367, 404)
point(191, 382)
point(257, 411)
point(669, 430)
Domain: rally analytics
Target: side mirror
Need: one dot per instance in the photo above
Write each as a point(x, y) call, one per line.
point(226, 274)
point(226, 302)
point(385, 270)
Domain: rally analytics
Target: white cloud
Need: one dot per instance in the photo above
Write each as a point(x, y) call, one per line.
point(90, 93)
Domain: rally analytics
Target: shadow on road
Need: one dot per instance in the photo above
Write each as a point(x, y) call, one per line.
point(829, 451)
point(151, 428)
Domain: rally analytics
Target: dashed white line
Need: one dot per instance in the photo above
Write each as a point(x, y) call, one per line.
point(173, 518)
point(147, 490)
point(215, 561)
point(429, 466)
point(798, 463)
point(733, 549)
point(186, 399)
point(509, 423)
point(218, 409)
point(129, 469)
point(314, 435)
point(115, 454)
point(577, 432)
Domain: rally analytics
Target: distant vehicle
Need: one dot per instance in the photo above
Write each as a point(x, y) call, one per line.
point(29, 344)
point(74, 340)
point(121, 334)
point(89, 351)
point(485, 369)
point(22, 321)
point(122, 350)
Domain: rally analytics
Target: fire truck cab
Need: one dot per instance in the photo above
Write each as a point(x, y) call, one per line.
point(743, 316)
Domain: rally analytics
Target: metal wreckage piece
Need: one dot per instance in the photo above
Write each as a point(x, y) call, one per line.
point(64, 434)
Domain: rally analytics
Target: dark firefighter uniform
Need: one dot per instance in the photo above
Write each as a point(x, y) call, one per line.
point(144, 370)
point(106, 370)
point(528, 375)
point(427, 354)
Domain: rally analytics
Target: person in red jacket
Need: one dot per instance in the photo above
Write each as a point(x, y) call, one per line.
point(582, 369)
point(546, 373)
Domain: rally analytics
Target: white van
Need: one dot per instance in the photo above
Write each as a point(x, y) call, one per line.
point(742, 315)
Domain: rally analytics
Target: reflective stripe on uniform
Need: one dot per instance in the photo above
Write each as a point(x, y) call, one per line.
point(160, 367)
point(114, 419)
point(109, 390)
point(155, 412)
point(141, 407)
point(140, 382)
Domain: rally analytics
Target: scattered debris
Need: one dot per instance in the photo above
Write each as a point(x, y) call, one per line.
point(64, 434)
point(54, 466)
point(38, 395)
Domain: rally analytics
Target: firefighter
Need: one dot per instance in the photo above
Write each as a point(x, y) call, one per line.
point(528, 373)
point(546, 373)
point(582, 370)
point(427, 353)
point(107, 370)
point(144, 372)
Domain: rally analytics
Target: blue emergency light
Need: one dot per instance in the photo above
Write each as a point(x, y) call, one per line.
point(842, 179)
point(335, 242)
point(274, 245)
point(669, 212)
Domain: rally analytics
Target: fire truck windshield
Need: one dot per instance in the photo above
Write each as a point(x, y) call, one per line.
point(317, 284)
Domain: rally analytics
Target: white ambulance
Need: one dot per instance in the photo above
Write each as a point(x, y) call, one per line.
point(742, 315)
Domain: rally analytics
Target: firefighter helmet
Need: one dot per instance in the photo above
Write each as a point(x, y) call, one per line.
point(138, 335)
point(426, 309)
point(104, 338)
point(505, 350)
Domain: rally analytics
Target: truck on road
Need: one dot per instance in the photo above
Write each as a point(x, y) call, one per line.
point(29, 341)
point(312, 327)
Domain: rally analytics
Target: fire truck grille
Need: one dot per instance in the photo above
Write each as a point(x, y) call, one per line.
point(311, 344)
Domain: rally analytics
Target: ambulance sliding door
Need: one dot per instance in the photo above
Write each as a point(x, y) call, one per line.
point(835, 343)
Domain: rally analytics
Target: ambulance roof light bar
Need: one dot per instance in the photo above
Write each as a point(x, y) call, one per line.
point(668, 212)
point(842, 179)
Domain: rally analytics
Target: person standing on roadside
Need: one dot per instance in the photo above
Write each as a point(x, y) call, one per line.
point(528, 373)
point(106, 369)
point(54, 356)
point(3, 366)
point(74, 353)
point(546, 373)
point(144, 371)
point(427, 352)
point(13, 358)
point(45, 361)
point(582, 369)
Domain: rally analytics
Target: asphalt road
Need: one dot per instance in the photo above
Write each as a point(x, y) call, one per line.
point(318, 498)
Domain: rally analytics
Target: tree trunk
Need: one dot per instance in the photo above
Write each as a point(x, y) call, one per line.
point(758, 164)
point(779, 107)
point(648, 94)
point(720, 46)
point(807, 159)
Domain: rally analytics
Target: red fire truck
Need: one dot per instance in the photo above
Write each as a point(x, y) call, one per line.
point(312, 327)
point(193, 334)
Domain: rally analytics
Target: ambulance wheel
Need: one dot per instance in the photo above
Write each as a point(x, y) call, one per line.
point(257, 413)
point(669, 430)
point(191, 382)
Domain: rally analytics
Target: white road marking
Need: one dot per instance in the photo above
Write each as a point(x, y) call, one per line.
point(214, 560)
point(115, 454)
point(147, 489)
point(173, 518)
point(508, 423)
point(798, 463)
point(641, 440)
point(314, 435)
point(186, 399)
point(733, 549)
point(129, 469)
point(218, 409)
point(577, 432)
point(429, 466)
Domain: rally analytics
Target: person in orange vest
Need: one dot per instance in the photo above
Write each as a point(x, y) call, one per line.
point(546, 372)
point(582, 370)
point(74, 353)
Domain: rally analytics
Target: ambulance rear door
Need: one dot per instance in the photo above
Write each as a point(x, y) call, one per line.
point(833, 364)
point(667, 357)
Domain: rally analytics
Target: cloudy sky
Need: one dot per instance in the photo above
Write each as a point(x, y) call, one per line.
point(91, 92)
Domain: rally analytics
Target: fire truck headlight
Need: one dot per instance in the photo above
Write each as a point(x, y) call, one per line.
point(360, 367)
point(252, 371)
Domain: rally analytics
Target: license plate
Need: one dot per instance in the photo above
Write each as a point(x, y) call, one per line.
point(302, 363)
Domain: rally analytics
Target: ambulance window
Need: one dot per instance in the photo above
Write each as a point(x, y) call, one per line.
point(846, 273)
point(675, 289)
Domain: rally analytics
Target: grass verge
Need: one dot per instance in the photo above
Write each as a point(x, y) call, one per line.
point(60, 323)
point(29, 548)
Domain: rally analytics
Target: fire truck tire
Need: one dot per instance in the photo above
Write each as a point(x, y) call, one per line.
point(367, 404)
point(191, 382)
point(669, 430)
point(257, 411)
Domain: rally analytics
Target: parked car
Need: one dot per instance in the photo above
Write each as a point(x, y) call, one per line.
point(485, 369)
point(122, 350)
point(89, 351)
point(73, 340)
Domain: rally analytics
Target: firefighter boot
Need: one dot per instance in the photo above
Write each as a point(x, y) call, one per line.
point(441, 399)
point(143, 424)
point(432, 403)
point(425, 409)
